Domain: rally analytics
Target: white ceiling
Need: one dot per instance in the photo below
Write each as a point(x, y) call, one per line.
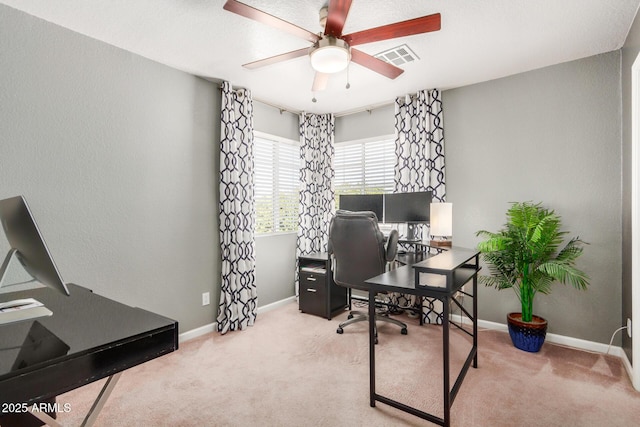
point(480, 40)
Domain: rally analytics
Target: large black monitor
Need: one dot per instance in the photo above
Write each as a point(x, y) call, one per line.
point(409, 208)
point(27, 244)
point(363, 202)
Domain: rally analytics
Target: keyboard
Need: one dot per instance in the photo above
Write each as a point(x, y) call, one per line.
point(20, 310)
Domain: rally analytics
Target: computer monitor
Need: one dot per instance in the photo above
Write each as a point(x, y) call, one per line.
point(363, 202)
point(27, 244)
point(410, 208)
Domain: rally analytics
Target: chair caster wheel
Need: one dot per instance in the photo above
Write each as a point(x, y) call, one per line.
point(350, 316)
point(403, 331)
point(339, 330)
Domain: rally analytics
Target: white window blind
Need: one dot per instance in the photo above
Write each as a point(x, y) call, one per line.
point(277, 185)
point(364, 167)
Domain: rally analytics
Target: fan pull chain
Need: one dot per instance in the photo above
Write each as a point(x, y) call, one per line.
point(348, 84)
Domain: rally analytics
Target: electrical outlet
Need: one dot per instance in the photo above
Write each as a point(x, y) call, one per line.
point(629, 327)
point(205, 299)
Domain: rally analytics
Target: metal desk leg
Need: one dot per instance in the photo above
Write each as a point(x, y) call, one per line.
point(445, 361)
point(372, 348)
point(475, 319)
point(95, 408)
point(45, 418)
point(101, 400)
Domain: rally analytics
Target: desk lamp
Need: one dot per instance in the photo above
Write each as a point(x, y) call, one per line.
point(441, 219)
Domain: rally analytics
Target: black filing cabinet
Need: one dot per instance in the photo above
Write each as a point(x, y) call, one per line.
point(318, 294)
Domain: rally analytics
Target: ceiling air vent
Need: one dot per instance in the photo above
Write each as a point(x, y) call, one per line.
point(398, 55)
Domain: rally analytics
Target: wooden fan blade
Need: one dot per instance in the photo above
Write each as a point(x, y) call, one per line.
point(277, 58)
point(320, 82)
point(260, 16)
point(399, 29)
point(375, 64)
point(338, 11)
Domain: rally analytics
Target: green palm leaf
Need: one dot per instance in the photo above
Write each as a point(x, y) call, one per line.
point(525, 255)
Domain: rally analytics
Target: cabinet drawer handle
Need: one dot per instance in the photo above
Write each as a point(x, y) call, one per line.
point(311, 279)
point(312, 290)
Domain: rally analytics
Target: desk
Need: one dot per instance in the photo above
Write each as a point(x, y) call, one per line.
point(88, 337)
point(410, 258)
point(429, 309)
point(448, 272)
point(422, 247)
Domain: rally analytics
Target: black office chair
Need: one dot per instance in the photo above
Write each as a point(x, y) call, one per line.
point(358, 252)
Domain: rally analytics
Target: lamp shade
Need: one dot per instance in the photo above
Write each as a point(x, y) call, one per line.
point(330, 55)
point(441, 218)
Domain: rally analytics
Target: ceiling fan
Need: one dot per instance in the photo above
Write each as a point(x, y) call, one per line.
point(332, 51)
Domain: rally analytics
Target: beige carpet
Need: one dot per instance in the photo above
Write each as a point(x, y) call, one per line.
point(292, 369)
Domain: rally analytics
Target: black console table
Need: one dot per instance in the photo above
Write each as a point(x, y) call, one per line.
point(88, 337)
point(318, 293)
point(438, 277)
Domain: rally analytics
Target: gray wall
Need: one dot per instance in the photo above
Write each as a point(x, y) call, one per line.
point(551, 135)
point(275, 254)
point(366, 124)
point(276, 122)
point(116, 156)
point(630, 52)
point(275, 267)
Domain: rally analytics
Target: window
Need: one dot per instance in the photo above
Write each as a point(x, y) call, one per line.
point(365, 167)
point(277, 184)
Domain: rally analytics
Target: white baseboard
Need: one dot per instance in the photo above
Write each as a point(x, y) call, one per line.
point(211, 327)
point(627, 365)
point(578, 343)
point(482, 324)
point(197, 332)
point(276, 304)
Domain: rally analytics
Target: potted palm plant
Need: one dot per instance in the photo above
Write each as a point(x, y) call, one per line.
point(525, 256)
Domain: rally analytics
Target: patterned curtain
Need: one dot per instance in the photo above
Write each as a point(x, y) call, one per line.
point(420, 163)
point(238, 297)
point(420, 144)
point(317, 197)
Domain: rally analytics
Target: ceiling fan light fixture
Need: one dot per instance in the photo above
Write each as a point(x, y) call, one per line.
point(330, 55)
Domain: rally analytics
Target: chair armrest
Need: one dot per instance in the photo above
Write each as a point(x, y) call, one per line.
point(392, 246)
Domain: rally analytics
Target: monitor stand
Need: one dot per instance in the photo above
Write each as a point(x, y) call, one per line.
point(413, 232)
point(21, 309)
point(6, 263)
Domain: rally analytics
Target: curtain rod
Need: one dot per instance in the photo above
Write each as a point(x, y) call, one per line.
point(282, 109)
point(368, 108)
point(278, 107)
